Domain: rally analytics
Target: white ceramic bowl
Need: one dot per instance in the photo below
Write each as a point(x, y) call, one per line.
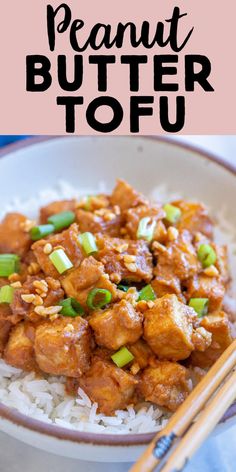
point(146, 163)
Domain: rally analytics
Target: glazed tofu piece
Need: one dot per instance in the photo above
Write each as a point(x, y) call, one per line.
point(79, 282)
point(18, 306)
point(142, 353)
point(222, 263)
point(168, 328)
point(68, 240)
point(56, 207)
point(134, 215)
point(14, 238)
point(125, 196)
point(19, 350)
point(48, 289)
point(202, 286)
point(194, 218)
point(201, 339)
point(111, 387)
point(124, 259)
point(104, 220)
point(219, 326)
point(178, 258)
point(5, 328)
point(7, 314)
point(54, 292)
point(165, 283)
point(166, 384)
point(63, 347)
point(116, 326)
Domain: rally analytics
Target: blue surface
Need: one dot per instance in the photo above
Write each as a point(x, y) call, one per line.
point(4, 140)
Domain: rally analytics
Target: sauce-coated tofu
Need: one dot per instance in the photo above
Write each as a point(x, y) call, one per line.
point(142, 353)
point(134, 215)
point(166, 384)
point(202, 286)
point(168, 328)
point(52, 295)
point(104, 221)
point(79, 282)
point(218, 324)
point(116, 326)
point(111, 387)
point(194, 218)
point(56, 207)
point(5, 327)
point(19, 350)
point(68, 240)
point(14, 238)
point(222, 262)
point(6, 313)
point(165, 283)
point(63, 347)
point(124, 259)
point(178, 258)
point(125, 196)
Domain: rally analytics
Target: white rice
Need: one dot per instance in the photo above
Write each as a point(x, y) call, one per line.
point(45, 399)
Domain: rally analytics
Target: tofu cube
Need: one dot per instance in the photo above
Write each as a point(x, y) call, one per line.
point(19, 350)
point(219, 326)
point(56, 207)
point(5, 328)
point(134, 215)
point(68, 240)
point(104, 221)
point(194, 218)
point(80, 281)
point(111, 387)
point(14, 239)
point(168, 328)
point(166, 384)
point(178, 258)
point(64, 346)
point(202, 286)
point(117, 325)
point(125, 196)
point(124, 259)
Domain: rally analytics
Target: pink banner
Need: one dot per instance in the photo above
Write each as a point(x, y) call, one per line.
point(85, 69)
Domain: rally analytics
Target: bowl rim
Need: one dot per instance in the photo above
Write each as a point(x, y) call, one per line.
point(58, 432)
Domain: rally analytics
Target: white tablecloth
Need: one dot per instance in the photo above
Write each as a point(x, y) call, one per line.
point(217, 455)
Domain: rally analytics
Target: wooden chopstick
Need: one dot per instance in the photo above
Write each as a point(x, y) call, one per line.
point(183, 417)
point(203, 426)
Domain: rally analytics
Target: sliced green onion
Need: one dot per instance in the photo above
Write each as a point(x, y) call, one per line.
point(102, 295)
point(6, 294)
point(206, 255)
point(173, 213)
point(122, 357)
point(146, 229)
point(88, 242)
point(9, 263)
point(39, 232)
point(60, 260)
point(124, 288)
point(70, 307)
point(147, 293)
point(62, 220)
point(200, 305)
